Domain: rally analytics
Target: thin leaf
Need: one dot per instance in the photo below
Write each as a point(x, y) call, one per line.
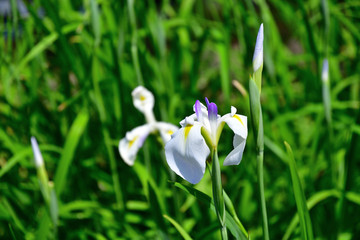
point(71, 143)
point(178, 227)
point(303, 212)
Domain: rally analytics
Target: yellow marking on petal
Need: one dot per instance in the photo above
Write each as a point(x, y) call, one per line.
point(142, 98)
point(187, 130)
point(131, 142)
point(238, 118)
point(170, 132)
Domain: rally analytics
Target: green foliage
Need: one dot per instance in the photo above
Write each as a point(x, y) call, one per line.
point(303, 211)
point(67, 69)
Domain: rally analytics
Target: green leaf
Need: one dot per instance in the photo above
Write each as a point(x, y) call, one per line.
point(95, 21)
point(178, 227)
point(313, 201)
point(229, 220)
point(303, 212)
point(67, 156)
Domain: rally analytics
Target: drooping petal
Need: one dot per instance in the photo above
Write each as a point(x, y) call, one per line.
point(132, 142)
point(39, 161)
point(186, 153)
point(166, 130)
point(235, 156)
point(238, 124)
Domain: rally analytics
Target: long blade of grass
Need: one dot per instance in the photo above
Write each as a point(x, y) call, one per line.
point(303, 212)
point(67, 156)
point(312, 202)
point(178, 227)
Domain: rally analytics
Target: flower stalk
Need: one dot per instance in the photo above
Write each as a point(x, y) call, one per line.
point(218, 192)
point(257, 122)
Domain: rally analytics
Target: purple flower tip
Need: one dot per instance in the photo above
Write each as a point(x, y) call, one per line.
point(212, 111)
point(207, 101)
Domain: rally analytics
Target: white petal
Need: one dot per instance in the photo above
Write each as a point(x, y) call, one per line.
point(258, 53)
point(143, 99)
point(39, 162)
point(237, 123)
point(188, 120)
point(233, 111)
point(166, 130)
point(130, 145)
point(186, 153)
point(235, 156)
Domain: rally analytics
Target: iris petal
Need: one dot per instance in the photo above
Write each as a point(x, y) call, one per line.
point(166, 130)
point(130, 145)
point(235, 156)
point(186, 153)
point(238, 124)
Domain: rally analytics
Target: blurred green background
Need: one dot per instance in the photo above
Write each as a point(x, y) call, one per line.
point(67, 69)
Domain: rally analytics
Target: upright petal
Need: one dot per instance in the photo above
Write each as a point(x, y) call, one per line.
point(198, 110)
point(166, 130)
point(186, 153)
point(130, 145)
point(143, 99)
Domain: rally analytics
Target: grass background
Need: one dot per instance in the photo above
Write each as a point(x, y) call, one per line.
point(66, 74)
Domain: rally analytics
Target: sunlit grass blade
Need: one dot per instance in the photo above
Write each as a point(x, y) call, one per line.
point(178, 227)
point(303, 212)
point(312, 202)
point(67, 156)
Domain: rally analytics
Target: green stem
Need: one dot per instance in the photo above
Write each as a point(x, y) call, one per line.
point(218, 192)
point(260, 160)
point(260, 169)
point(257, 123)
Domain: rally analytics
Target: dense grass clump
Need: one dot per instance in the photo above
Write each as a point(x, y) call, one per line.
point(67, 69)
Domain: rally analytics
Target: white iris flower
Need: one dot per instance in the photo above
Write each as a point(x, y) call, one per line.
point(129, 146)
point(189, 147)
